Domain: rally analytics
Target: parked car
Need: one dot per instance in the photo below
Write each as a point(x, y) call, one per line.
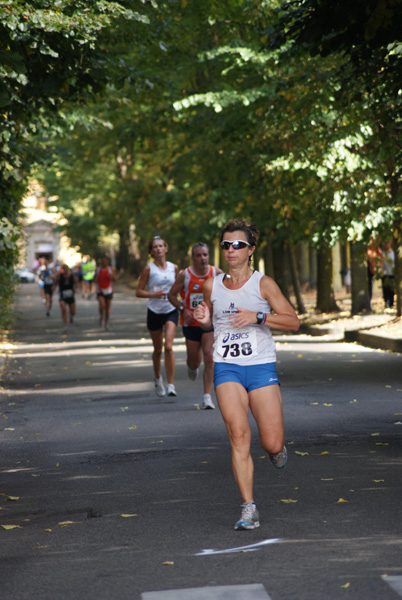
point(25, 275)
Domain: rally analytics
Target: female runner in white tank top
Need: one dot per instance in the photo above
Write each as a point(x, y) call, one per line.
point(242, 306)
point(162, 317)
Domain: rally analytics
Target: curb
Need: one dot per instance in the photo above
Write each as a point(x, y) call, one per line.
point(360, 336)
point(374, 341)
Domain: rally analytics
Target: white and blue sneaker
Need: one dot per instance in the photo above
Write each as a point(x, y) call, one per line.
point(249, 517)
point(279, 460)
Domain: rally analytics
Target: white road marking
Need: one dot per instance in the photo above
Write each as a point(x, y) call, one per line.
point(252, 591)
point(395, 582)
point(249, 548)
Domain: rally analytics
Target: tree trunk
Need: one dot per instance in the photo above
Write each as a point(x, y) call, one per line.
point(295, 281)
point(398, 265)
point(325, 291)
point(280, 268)
point(269, 259)
point(123, 256)
point(360, 285)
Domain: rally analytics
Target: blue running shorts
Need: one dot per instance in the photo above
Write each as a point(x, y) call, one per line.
point(251, 377)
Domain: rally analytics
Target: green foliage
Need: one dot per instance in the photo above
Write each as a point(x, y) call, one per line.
point(49, 56)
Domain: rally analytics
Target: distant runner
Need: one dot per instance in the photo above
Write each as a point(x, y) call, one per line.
point(67, 288)
point(88, 277)
point(199, 342)
point(48, 277)
point(162, 317)
point(105, 275)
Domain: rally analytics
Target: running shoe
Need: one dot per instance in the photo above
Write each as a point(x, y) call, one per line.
point(279, 460)
point(249, 517)
point(207, 402)
point(171, 390)
point(192, 373)
point(159, 387)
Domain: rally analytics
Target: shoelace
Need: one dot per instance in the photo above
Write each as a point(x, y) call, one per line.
point(247, 511)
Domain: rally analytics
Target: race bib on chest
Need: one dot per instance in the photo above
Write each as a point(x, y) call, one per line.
point(49, 280)
point(235, 344)
point(67, 293)
point(106, 291)
point(195, 300)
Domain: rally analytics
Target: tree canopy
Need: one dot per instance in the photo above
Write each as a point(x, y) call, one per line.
point(171, 117)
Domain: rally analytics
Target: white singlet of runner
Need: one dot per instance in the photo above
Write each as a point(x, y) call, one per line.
point(161, 279)
point(253, 344)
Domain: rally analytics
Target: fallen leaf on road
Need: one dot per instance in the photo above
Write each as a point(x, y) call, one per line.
point(8, 527)
point(126, 516)
point(381, 444)
point(345, 586)
point(197, 406)
point(398, 423)
point(378, 480)
point(159, 442)
point(48, 530)
point(4, 416)
point(37, 385)
point(133, 427)
point(289, 501)
point(11, 498)
point(353, 402)
point(341, 500)
point(205, 462)
point(300, 356)
point(314, 403)
point(327, 404)
point(168, 562)
point(324, 453)
point(9, 429)
point(374, 434)
point(263, 457)
point(329, 479)
point(77, 423)
point(65, 523)
point(301, 453)
point(88, 362)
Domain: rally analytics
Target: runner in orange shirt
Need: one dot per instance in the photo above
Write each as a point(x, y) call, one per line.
point(199, 342)
point(105, 275)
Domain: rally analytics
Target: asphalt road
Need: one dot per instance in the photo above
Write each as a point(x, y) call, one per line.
point(116, 493)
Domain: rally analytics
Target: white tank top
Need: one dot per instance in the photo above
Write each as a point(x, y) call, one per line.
point(251, 345)
point(161, 279)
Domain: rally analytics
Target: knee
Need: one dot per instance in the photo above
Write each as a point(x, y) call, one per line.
point(239, 439)
point(273, 445)
point(157, 351)
point(208, 358)
point(168, 347)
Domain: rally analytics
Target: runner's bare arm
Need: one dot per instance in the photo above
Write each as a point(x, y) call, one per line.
point(141, 292)
point(283, 316)
point(176, 289)
point(203, 312)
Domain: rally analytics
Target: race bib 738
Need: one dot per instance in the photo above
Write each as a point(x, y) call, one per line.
point(237, 343)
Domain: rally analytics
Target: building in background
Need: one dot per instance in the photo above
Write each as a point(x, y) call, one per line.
point(42, 236)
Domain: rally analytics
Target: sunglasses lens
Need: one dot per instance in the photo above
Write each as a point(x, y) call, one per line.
point(237, 245)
